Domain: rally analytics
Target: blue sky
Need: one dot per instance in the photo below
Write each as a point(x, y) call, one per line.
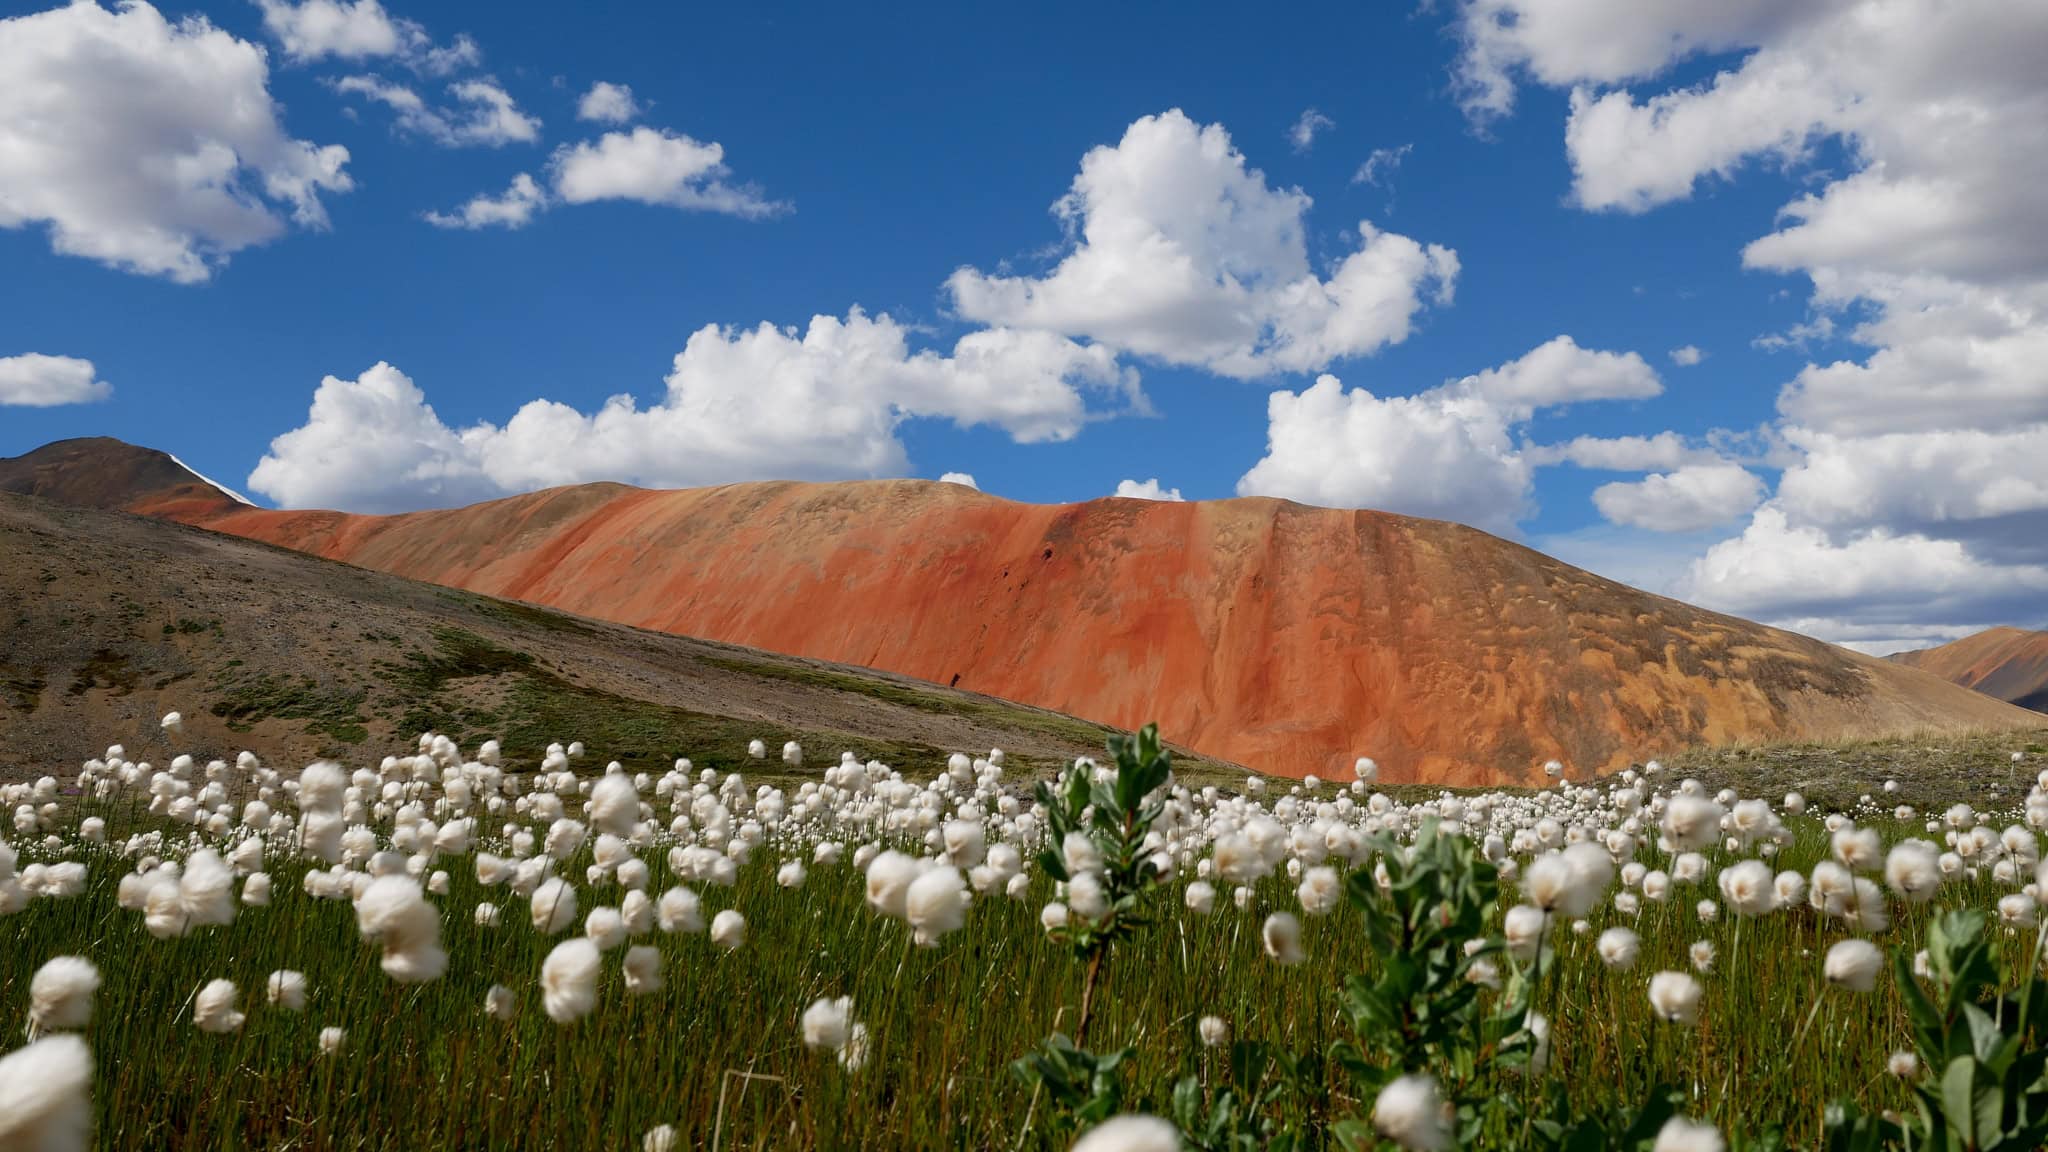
point(1534, 180)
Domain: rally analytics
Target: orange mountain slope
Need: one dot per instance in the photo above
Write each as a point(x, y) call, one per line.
point(2009, 663)
point(1286, 637)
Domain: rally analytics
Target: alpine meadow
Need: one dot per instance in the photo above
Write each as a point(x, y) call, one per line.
point(1443, 576)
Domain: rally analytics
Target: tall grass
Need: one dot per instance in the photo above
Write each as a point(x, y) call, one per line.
point(719, 1053)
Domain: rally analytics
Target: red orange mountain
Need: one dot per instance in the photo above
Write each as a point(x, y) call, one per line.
point(1282, 636)
point(2009, 663)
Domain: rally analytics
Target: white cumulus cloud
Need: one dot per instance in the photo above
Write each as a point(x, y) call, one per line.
point(513, 208)
point(1928, 241)
point(357, 30)
point(656, 166)
point(1899, 585)
point(740, 404)
point(483, 112)
point(1687, 355)
point(608, 103)
point(1307, 127)
point(1450, 452)
point(150, 146)
point(1663, 452)
point(1686, 500)
point(1146, 490)
point(33, 380)
point(1185, 255)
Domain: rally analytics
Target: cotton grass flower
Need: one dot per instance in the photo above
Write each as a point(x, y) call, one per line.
point(1130, 1133)
point(1682, 1135)
point(729, 930)
point(1675, 997)
point(1320, 891)
point(60, 995)
point(568, 979)
point(331, 1039)
point(1618, 948)
point(642, 970)
point(828, 1023)
point(44, 1102)
point(213, 1010)
point(660, 1138)
point(854, 1056)
point(889, 877)
point(1748, 888)
point(500, 1003)
point(1213, 1031)
point(1410, 1112)
point(935, 904)
point(1200, 898)
point(286, 989)
point(553, 906)
point(680, 910)
point(1853, 964)
point(1282, 938)
point(1903, 1064)
point(392, 912)
point(605, 927)
point(1523, 929)
point(1912, 871)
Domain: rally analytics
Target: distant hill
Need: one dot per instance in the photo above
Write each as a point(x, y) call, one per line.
point(110, 620)
point(1257, 631)
point(2009, 663)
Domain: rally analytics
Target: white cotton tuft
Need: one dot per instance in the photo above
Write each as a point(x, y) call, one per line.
point(728, 930)
point(1282, 938)
point(605, 928)
point(614, 805)
point(286, 989)
point(256, 890)
point(568, 980)
point(680, 910)
point(1675, 997)
point(660, 1138)
point(44, 1106)
point(828, 1023)
point(1853, 964)
point(1682, 1135)
point(553, 906)
point(322, 786)
point(1130, 1133)
point(500, 1003)
point(60, 995)
point(935, 904)
point(889, 877)
point(1410, 1112)
point(207, 890)
point(642, 968)
point(393, 912)
point(1618, 947)
point(1320, 890)
point(213, 1010)
point(331, 1039)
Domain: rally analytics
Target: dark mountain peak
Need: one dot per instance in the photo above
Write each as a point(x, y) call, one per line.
point(103, 472)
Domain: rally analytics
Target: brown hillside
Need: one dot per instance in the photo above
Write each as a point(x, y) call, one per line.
point(1261, 631)
point(112, 620)
point(2009, 663)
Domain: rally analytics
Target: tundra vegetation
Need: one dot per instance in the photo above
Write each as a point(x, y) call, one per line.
point(446, 948)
